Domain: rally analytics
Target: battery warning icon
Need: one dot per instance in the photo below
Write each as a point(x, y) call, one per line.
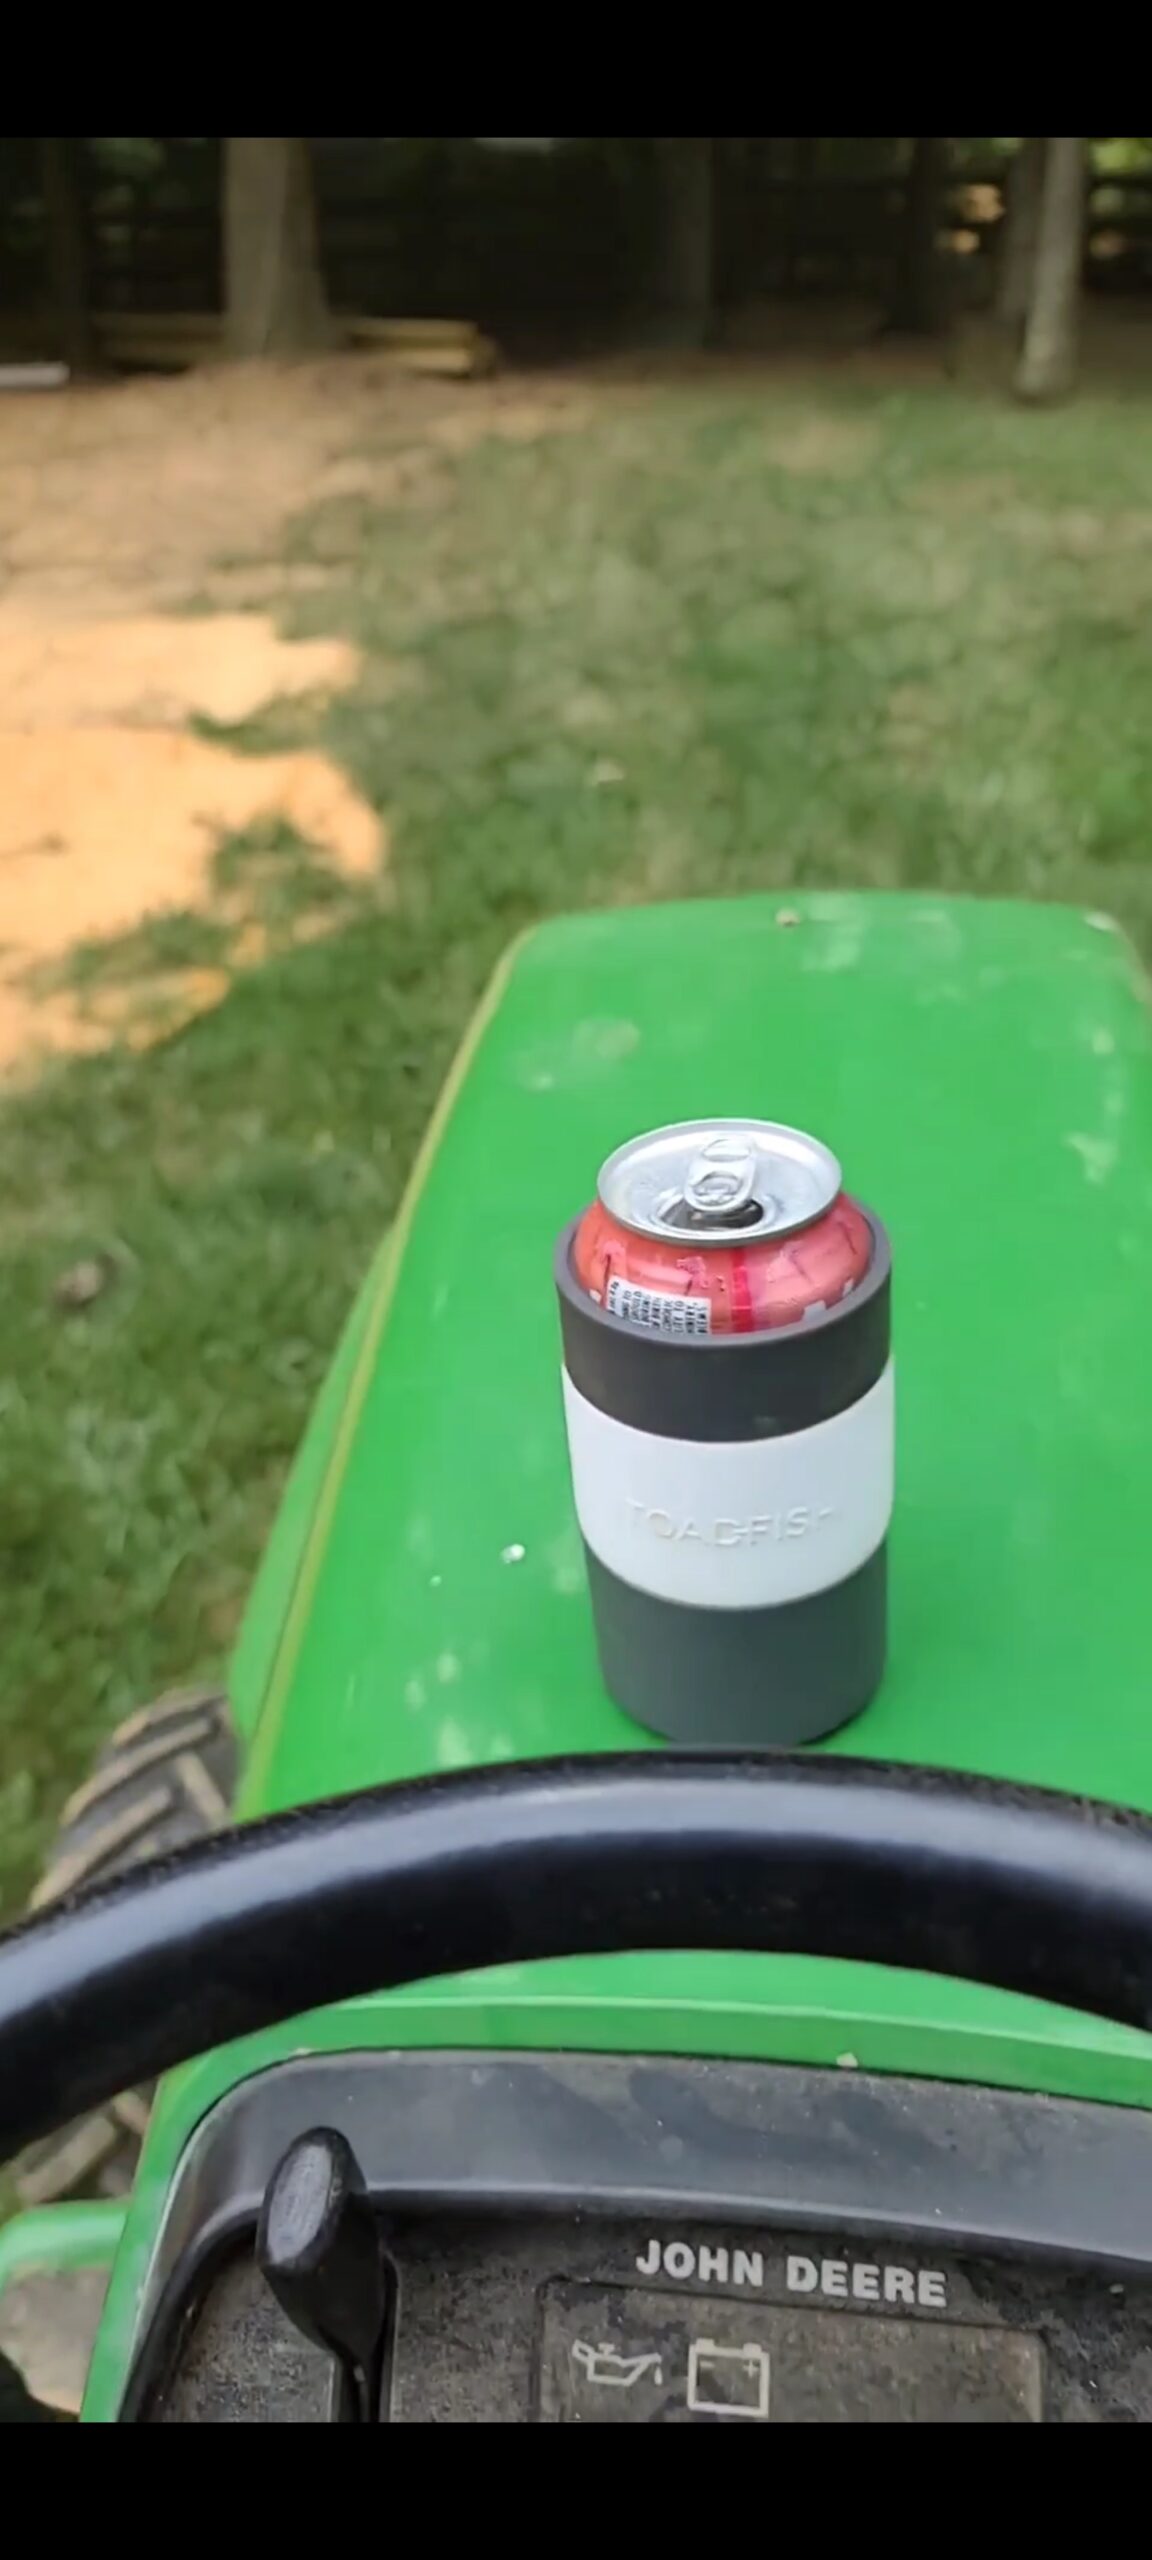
point(727, 2382)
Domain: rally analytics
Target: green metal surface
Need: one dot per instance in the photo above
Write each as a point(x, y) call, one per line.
point(985, 1073)
point(264, 1617)
point(54, 2239)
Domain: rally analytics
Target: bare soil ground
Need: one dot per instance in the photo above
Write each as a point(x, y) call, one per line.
point(118, 506)
point(122, 505)
point(130, 495)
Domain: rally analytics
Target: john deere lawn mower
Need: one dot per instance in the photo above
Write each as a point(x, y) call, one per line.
point(684, 1953)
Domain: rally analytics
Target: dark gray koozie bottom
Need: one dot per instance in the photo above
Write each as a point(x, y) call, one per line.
point(742, 1679)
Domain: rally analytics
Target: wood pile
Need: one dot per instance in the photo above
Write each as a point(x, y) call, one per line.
point(171, 340)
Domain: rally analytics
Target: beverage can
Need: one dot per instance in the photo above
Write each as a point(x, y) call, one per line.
point(721, 1226)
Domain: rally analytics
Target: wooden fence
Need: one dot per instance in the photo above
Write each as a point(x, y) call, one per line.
point(563, 242)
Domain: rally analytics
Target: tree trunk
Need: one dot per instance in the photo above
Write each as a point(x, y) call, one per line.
point(1016, 255)
point(685, 292)
point(67, 245)
point(917, 300)
point(1047, 368)
point(275, 294)
point(797, 207)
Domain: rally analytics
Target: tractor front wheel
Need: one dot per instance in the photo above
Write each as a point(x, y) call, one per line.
point(166, 1777)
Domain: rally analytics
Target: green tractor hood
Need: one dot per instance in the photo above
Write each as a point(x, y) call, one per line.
point(984, 1072)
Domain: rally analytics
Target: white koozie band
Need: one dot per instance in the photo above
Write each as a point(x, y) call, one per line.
point(734, 1524)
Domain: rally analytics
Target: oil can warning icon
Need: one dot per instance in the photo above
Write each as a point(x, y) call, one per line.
point(611, 2372)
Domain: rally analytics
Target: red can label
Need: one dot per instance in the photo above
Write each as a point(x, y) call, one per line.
point(659, 1309)
point(681, 1288)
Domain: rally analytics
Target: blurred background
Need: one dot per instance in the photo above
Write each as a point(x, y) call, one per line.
point(402, 539)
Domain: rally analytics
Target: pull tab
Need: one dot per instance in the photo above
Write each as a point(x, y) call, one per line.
point(719, 1181)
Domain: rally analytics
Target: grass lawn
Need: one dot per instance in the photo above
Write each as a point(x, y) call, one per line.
point(721, 637)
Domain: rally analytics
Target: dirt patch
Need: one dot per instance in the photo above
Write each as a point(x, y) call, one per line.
point(519, 417)
point(967, 493)
point(155, 668)
point(132, 494)
point(832, 446)
point(101, 827)
point(115, 502)
point(104, 825)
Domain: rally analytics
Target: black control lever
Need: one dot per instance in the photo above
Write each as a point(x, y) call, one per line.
point(319, 2247)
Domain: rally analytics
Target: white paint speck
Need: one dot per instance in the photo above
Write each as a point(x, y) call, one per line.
point(512, 1555)
point(415, 1694)
point(434, 1581)
point(847, 2061)
point(1097, 1155)
point(447, 1667)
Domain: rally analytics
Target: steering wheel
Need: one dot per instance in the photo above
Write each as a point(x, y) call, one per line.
point(1026, 1891)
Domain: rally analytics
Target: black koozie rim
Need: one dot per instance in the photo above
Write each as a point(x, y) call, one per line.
point(728, 1386)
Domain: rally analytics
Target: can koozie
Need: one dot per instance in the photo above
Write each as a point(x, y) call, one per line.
point(732, 1451)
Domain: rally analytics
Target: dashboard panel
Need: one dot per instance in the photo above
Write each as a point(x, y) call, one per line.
point(605, 2240)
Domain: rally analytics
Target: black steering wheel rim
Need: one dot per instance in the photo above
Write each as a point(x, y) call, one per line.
point(1024, 1890)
